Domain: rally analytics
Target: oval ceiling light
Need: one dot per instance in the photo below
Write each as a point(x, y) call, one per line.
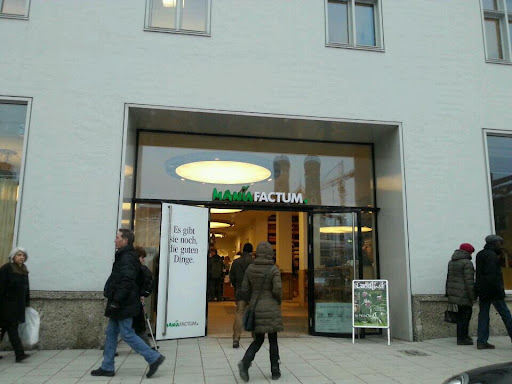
point(224, 210)
point(220, 167)
point(219, 224)
point(343, 229)
point(223, 172)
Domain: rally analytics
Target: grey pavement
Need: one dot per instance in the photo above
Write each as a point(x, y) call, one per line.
point(307, 359)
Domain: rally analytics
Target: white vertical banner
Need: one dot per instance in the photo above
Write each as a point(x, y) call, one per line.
point(181, 307)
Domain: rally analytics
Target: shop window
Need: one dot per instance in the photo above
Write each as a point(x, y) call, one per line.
point(181, 16)
point(497, 22)
point(353, 23)
point(12, 138)
point(500, 167)
point(14, 8)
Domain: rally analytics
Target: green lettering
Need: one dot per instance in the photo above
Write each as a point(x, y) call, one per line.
point(227, 196)
point(216, 195)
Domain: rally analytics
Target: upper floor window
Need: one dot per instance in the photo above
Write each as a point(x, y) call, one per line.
point(497, 16)
point(354, 23)
point(184, 16)
point(14, 8)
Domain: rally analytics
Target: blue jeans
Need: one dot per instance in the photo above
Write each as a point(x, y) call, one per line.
point(483, 318)
point(124, 327)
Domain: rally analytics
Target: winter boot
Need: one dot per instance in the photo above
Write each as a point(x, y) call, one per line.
point(276, 373)
point(243, 369)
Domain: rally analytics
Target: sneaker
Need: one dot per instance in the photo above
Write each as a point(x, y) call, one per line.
point(236, 344)
point(485, 346)
point(243, 370)
point(20, 358)
point(465, 342)
point(101, 372)
point(154, 367)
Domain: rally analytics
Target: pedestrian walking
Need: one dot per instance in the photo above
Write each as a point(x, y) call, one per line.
point(460, 289)
point(14, 298)
point(215, 275)
point(145, 283)
point(262, 283)
point(123, 303)
point(490, 289)
point(236, 276)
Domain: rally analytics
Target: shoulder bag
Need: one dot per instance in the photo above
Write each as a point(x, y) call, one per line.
point(248, 319)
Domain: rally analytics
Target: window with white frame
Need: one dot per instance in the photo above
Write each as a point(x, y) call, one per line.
point(354, 23)
point(13, 136)
point(497, 21)
point(14, 8)
point(185, 16)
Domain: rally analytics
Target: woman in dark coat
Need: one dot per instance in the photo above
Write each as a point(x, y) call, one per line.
point(262, 283)
point(14, 297)
point(460, 289)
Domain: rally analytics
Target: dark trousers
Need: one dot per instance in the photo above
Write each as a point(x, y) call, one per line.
point(463, 319)
point(256, 345)
point(14, 338)
point(215, 288)
point(483, 318)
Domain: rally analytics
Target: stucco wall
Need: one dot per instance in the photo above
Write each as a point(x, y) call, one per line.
point(81, 62)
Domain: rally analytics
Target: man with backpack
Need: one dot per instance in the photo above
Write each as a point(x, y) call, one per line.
point(123, 295)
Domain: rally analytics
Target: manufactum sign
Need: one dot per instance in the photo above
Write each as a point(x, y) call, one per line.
point(244, 195)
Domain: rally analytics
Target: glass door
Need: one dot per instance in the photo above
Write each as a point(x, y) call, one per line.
point(334, 263)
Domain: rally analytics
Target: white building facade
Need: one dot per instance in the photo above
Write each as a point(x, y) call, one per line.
point(425, 85)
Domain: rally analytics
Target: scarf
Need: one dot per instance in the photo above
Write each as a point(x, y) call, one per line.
point(22, 270)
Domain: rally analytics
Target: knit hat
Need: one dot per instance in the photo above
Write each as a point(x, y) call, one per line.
point(467, 247)
point(265, 249)
point(493, 239)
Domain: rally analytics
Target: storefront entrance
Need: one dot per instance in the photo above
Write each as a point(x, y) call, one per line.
point(313, 201)
point(319, 253)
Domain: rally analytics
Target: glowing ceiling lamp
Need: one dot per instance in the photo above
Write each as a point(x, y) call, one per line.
point(343, 229)
point(219, 224)
point(224, 210)
point(223, 172)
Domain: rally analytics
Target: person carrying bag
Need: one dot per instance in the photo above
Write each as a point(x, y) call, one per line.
point(460, 289)
point(262, 283)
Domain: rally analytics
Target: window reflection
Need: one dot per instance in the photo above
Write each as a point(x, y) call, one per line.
point(326, 174)
point(14, 7)
point(492, 38)
point(365, 25)
point(162, 16)
point(338, 22)
point(12, 132)
point(490, 4)
point(194, 15)
point(500, 165)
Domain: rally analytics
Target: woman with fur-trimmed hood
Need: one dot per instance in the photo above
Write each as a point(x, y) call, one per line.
point(14, 298)
point(262, 283)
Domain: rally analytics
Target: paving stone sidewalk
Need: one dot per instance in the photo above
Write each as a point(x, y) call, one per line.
point(315, 360)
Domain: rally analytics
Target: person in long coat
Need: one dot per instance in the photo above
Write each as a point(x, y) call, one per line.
point(262, 283)
point(14, 298)
point(460, 289)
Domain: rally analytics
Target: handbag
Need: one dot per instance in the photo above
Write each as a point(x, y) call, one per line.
point(451, 315)
point(249, 315)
